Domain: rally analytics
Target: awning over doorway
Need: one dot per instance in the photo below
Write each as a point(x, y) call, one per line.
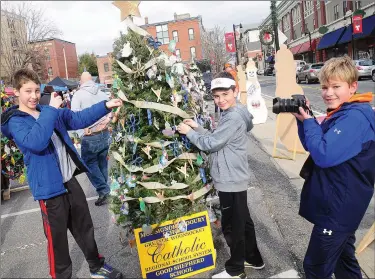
point(306, 46)
point(330, 39)
point(295, 49)
point(368, 28)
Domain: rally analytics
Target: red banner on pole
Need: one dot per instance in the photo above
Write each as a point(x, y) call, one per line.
point(229, 42)
point(357, 24)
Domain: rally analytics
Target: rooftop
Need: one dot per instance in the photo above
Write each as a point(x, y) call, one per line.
point(52, 39)
point(172, 21)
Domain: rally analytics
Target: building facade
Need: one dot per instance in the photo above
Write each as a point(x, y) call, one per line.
point(60, 58)
point(104, 64)
point(300, 22)
point(13, 38)
point(185, 30)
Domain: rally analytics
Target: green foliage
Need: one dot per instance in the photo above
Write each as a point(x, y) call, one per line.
point(139, 87)
point(88, 61)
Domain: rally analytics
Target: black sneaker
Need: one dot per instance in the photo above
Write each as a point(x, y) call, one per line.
point(255, 266)
point(101, 200)
point(107, 272)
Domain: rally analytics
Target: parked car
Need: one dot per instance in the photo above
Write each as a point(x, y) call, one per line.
point(260, 72)
point(309, 73)
point(364, 68)
point(299, 64)
point(373, 73)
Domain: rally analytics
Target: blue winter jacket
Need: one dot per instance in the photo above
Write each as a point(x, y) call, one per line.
point(33, 138)
point(340, 183)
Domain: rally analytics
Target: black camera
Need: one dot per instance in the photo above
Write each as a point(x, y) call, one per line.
point(290, 105)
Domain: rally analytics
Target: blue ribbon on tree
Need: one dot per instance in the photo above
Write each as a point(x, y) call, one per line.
point(132, 125)
point(175, 147)
point(136, 160)
point(186, 142)
point(154, 42)
point(149, 117)
point(202, 174)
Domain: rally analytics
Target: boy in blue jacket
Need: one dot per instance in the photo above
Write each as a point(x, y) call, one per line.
point(339, 174)
point(52, 163)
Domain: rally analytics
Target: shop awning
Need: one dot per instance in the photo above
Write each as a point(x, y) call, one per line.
point(295, 49)
point(330, 39)
point(306, 46)
point(368, 28)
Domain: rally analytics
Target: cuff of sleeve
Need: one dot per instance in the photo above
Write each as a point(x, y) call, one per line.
point(309, 123)
point(199, 129)
point(105, 106)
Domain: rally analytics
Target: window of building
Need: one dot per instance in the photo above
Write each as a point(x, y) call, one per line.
point(191, 34)
point(14, 42)
point(162, 33)
point(50, 73)
point(344, 7)
point(336, 12)
point(175, 36)
point(178, 53)
point(192, 52)
point(10, 23)
point(106, 67)
point(357, 5)
point(314, 23)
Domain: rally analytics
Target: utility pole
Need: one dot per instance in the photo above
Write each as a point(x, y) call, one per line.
point(274, 23)
point(66, 68)
point(235, 43)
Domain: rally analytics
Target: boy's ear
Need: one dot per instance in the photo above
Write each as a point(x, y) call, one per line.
point(16, 92)
point(353, 88)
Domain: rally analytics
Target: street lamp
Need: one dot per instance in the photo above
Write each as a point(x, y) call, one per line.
point(307, 32)
point(235, 41)
point(349, 14)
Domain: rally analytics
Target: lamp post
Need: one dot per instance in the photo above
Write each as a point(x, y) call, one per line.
point(235, 42)
point(349, 14)
point(311, 51)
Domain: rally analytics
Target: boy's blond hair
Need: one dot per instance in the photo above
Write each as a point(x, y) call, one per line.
point(341, 68)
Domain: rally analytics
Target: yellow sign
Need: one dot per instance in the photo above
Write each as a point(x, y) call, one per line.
point(177, 248)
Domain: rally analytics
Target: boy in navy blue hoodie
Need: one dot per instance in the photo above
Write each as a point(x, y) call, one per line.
point(339, 174)
point(52, 163)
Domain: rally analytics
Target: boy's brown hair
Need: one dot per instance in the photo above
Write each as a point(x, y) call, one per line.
point(24, 75)
point(341, 68)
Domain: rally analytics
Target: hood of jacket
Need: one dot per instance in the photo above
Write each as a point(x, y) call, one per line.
point(360, 102)
point(90, 87)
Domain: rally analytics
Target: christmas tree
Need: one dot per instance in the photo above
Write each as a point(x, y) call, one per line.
point(12, 165)
point(158, 175)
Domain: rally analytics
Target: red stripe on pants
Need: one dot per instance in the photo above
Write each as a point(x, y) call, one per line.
point(47, 229)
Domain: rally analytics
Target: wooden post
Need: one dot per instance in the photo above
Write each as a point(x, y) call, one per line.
point(367, 239)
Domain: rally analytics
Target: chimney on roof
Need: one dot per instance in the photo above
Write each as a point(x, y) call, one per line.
point(146, 19)
point(175, 16)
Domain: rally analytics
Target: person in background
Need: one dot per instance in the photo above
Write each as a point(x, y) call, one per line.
point(96, 138)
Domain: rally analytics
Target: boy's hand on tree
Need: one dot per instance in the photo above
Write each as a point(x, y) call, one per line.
point(114, 103)
point(191, 123)
point(183, 128)
point(55, 100)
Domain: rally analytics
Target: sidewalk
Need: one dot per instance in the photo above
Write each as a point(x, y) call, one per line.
point(265, 133)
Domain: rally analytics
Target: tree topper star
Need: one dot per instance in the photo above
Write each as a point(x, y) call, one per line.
point(128, 8)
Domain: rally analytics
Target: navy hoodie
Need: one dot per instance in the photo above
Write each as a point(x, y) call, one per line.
point(340, 182)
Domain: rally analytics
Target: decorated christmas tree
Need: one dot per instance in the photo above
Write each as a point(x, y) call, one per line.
point(12, 166)
point(157, 174)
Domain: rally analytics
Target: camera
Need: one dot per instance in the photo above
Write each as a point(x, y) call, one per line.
point(290, 105)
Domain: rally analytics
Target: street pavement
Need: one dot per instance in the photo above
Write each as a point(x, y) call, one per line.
point(312, 91)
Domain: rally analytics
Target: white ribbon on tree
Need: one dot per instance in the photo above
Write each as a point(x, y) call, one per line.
point(157, 106)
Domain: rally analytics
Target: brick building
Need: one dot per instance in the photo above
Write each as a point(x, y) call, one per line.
point(60, 58)
point(301, 20)
point(185, 30)
point(104, 64)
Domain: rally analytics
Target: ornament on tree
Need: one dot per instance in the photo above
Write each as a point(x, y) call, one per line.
point(157, 93)
point(134, 60)
point(147, 151)
point(125, 208)
point(154, 42)
point(149, 117)
point(127, 50)
point(163, 158)
point(131, 181)
point(168, 131)
point(159, 78)
point(172, 46)
point(156, 124)
point(183, 170)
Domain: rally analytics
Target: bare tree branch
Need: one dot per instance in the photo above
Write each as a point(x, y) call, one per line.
point(214, 47)
point(26, 23)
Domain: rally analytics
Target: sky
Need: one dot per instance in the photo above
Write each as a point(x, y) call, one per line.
point(94, 25)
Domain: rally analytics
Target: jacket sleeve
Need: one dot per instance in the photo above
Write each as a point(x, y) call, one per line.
point(216, 140)
point(37, 137)
point(201, 130)
point(75, 120)
point(301, 134)
point(340, 143)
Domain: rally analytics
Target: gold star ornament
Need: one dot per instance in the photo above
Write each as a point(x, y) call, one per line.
point(128, 8)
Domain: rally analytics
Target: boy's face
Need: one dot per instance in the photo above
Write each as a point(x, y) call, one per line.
point(337, 92)
point(28, 95)
point(225, 98)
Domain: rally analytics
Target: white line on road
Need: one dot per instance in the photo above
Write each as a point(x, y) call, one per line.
point(317, 113)
point(33, 210)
